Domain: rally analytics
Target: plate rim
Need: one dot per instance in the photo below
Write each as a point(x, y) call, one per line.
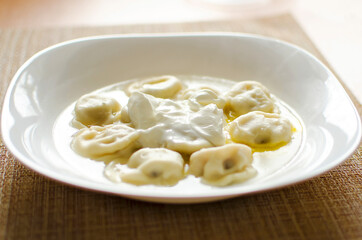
point(200, 197)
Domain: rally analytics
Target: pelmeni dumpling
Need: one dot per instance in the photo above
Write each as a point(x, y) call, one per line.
point(158, 166)
point(95, 109)
point(221, 166)
point(111, 142)
point(250, 96)
point(161, 87)
point(260, 129)
point(203, 96)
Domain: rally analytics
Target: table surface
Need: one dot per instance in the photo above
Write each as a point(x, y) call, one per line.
point(34, 207)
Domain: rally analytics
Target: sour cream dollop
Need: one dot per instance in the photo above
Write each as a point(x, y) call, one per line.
point(174, 125)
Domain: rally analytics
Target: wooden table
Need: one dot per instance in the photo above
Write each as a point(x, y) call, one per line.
point(34, 207)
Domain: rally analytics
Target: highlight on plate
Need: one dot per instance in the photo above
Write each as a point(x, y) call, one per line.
point(161, 130)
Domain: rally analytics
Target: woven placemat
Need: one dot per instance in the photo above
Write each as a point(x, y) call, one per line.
point(34, 207)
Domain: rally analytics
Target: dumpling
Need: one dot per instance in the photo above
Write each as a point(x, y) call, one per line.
point(161, 87)
point(111, 142)
point(250, 96)
point(221, 166)
point(203, 96)
point(158, 166)
point(97, 110)
point(260, 129)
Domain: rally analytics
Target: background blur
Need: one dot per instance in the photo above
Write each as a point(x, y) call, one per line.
point(334, 26)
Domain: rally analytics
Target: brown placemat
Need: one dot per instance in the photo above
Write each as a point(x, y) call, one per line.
point(34, 207)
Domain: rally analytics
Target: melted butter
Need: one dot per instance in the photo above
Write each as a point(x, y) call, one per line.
point(230, 115)
point(268, 147)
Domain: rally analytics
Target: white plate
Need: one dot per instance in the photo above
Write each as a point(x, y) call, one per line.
point(55, 77)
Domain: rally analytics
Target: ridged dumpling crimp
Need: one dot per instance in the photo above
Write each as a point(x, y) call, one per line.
point(111, 142)
point(250, 96)
point(221, 166)
point(260, 129)
point(95, 110)
point(158, 166)
point(161, 87)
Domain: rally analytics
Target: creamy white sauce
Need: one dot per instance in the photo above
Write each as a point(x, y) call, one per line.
point(174, 125)
point(205, 124)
